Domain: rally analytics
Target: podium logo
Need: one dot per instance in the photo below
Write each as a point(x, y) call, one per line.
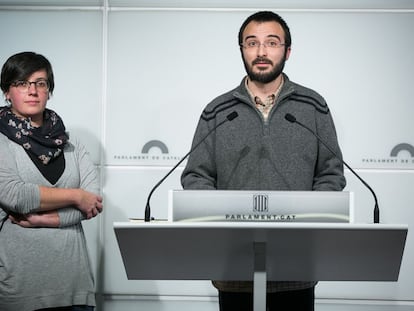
point(260, 203)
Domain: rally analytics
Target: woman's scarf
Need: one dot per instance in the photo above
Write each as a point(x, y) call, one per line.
point(46, 142)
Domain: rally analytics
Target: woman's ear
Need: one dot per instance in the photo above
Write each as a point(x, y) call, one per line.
point(7, 98)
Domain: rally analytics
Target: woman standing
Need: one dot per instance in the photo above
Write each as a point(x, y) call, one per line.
point(48, 185)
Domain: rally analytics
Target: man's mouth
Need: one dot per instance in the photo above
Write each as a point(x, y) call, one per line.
point(262, 62)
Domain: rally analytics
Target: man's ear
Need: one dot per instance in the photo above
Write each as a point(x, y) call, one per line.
point(288, 50)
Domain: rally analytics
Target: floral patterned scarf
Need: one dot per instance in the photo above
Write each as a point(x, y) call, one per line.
point(46, 142)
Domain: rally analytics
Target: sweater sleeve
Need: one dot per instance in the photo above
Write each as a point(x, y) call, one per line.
point(89, 181)
point(16, 195)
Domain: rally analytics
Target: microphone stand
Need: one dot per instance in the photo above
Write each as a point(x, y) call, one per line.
point(292, 119)
point(147, 215)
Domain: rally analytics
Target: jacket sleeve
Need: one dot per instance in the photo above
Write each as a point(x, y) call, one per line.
point(200, 171)
point(329, 170)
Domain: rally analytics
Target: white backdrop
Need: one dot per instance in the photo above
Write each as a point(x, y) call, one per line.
point(130, 76)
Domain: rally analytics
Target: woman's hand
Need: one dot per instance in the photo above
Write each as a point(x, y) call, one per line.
point(44, 219)
point(90, 204)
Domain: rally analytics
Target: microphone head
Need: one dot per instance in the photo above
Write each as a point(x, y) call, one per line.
point(232, 116)
point(290, 118)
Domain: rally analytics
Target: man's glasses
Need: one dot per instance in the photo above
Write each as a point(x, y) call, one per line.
point(23, 86)
point(255, 44)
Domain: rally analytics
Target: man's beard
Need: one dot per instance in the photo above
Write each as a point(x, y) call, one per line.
point(264, 77)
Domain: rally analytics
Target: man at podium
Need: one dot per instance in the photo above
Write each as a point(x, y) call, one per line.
point(261, 150)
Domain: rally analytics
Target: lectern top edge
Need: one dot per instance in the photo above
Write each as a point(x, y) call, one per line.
point(256, 225)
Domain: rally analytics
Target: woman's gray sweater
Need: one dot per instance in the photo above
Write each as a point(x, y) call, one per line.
point(43, 267)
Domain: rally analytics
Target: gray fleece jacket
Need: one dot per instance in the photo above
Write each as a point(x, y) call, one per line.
point(251, 153)
point(43, 267)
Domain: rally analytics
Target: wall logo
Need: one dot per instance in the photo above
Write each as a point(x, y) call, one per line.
point(402, 148)
point(152, 152)
point(154, 144)
point(400, 154)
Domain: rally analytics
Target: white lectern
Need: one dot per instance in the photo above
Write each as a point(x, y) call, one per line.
point(261, 252)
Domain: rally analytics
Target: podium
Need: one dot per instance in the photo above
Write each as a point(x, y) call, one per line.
point(261, 252)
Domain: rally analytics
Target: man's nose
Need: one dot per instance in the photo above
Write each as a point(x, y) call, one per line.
point(262, 50)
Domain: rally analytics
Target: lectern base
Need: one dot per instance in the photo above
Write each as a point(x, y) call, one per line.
point(259, 278)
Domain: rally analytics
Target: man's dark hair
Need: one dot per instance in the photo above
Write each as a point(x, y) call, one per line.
point(266, 16)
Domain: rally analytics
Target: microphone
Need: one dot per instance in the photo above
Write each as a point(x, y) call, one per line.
point(292, 119)
point(229, 117)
